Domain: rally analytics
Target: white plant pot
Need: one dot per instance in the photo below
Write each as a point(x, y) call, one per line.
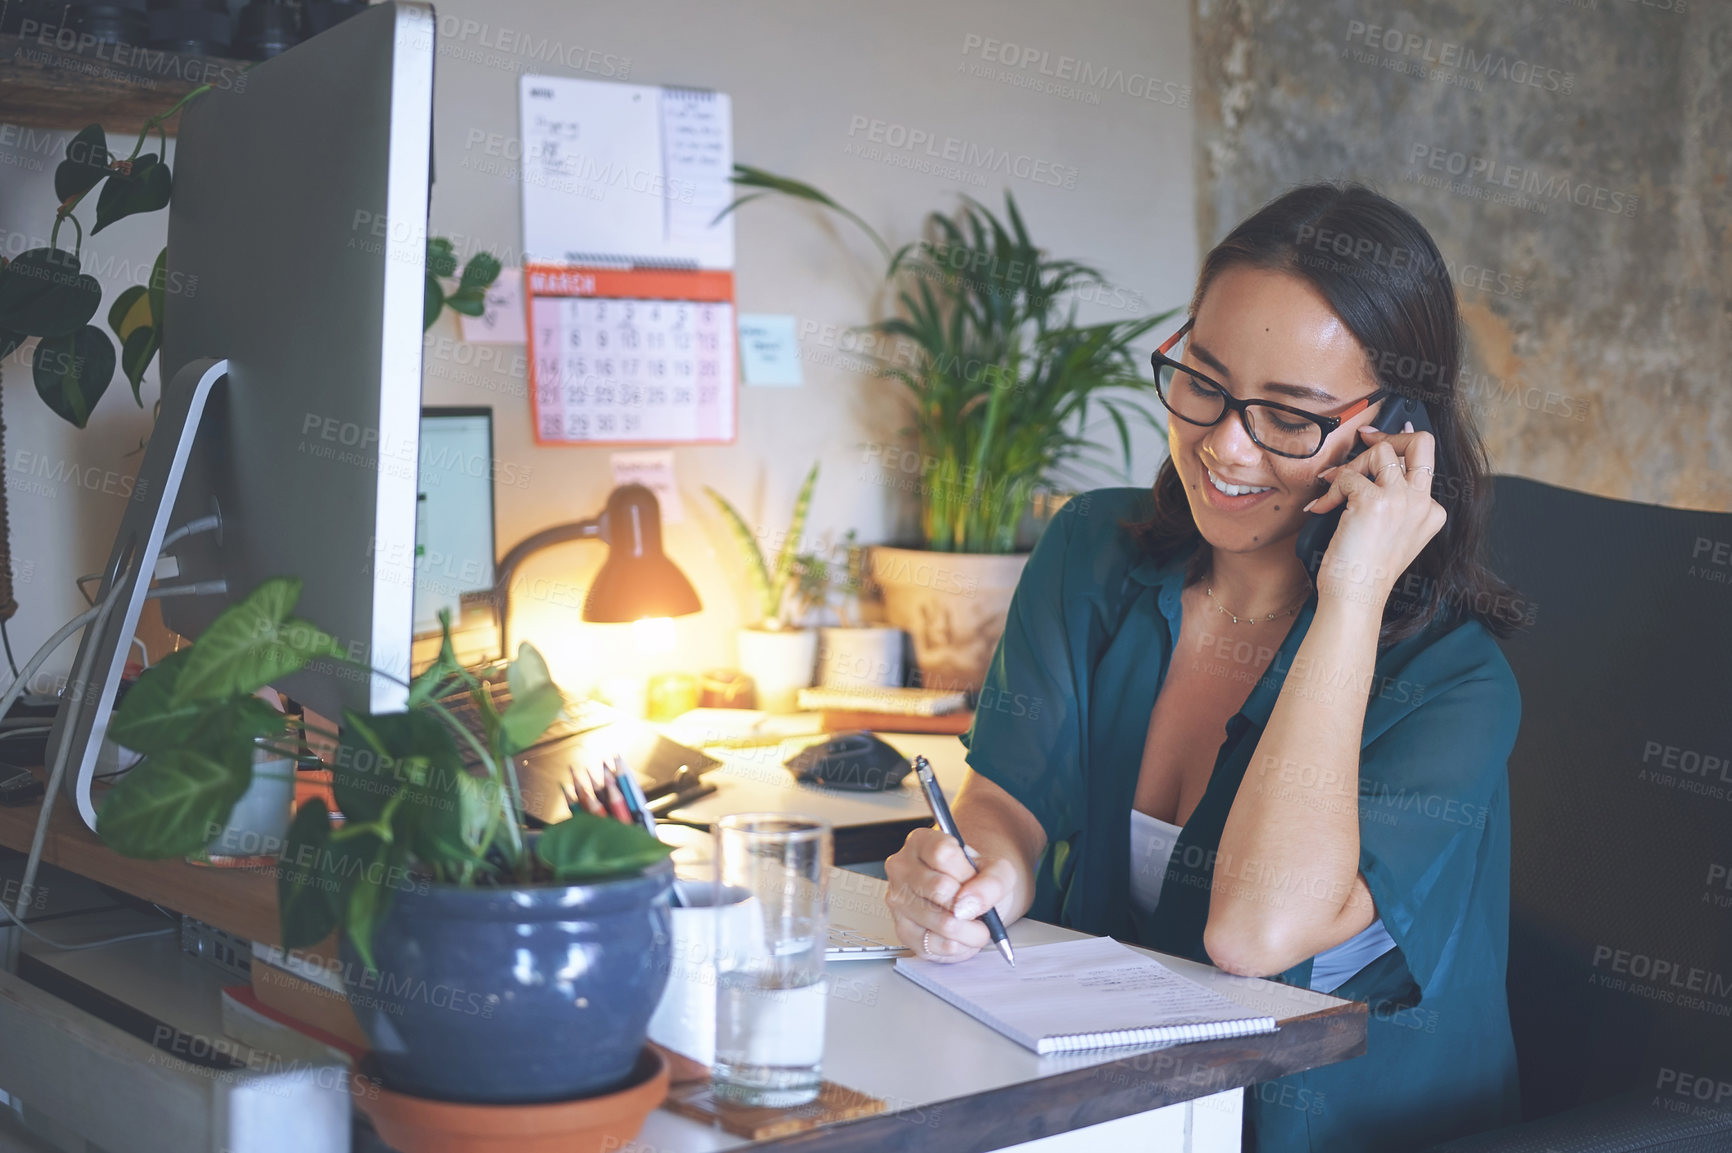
point(259, 824)
point(780, 663)
point(854, 658)
point(953, 604)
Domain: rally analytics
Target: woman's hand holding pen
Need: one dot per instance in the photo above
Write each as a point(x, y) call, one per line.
point(936, 894)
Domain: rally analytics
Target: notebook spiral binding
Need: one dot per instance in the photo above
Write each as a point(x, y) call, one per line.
point(1177, 1034)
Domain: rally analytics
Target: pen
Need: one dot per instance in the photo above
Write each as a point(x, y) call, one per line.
point(941, 817)
point(639, 805)
point(615, 799)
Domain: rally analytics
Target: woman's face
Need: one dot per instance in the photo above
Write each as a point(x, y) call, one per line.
point(1269, 336)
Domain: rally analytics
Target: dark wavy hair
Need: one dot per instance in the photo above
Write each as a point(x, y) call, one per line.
point(1383, 276)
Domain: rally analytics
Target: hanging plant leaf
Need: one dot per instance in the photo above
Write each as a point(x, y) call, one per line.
point(158, 282)
point(441, 260)
point(72, 372)
point(129, 310)
point(145, 189)
point(85, 165)
point(63, 311)
point(481, 271)
point(136, 353)
point(43, 294)
point(432, 300)
point(468, 301)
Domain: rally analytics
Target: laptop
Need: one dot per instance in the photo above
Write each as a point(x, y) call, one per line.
point(860, 925)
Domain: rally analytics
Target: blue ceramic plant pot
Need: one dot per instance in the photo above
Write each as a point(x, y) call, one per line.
point(514, 995)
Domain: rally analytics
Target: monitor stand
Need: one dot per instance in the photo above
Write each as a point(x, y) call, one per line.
point(85, 707)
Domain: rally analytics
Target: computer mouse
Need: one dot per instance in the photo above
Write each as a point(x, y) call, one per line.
point(858, 760)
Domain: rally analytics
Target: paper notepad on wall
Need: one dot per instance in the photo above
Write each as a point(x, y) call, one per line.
point(1092, 993)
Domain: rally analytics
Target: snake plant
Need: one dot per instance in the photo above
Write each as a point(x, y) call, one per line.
point(772, 583)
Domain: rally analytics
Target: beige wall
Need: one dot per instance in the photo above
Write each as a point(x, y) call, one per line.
point(799, 75)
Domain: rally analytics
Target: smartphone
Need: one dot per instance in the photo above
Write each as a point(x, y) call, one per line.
point(1314, 538)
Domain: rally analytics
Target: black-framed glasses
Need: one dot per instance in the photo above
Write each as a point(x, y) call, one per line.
point(1278, 428)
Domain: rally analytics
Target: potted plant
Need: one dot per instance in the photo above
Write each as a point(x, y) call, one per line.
point(1002, 383)
point(851, 653)
point(776, 650)
point(460, 933)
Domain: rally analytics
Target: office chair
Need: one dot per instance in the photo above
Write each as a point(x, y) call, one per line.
point(1620, 960)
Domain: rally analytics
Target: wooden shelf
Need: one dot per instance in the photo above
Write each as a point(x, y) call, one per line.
point(117, 86)
point(239, 901)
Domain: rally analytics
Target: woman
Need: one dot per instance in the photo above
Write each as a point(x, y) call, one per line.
point(1350, 833)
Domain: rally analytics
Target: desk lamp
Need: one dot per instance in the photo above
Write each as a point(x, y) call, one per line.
point(636, 581)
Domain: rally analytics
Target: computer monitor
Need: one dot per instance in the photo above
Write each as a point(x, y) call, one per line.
point(454, 528)
point(292, 368)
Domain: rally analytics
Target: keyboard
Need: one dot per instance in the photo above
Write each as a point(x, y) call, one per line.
point(851, 944)
point(579, 716)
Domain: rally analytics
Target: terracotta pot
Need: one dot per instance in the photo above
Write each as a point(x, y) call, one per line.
point(953, 605)
point(590, 1125)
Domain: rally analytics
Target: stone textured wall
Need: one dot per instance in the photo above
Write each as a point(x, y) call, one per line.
point(1571, 158)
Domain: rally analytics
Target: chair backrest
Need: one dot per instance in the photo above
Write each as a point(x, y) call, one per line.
point(1620, 966)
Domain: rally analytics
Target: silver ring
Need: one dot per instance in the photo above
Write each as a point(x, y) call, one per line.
point(1393, 464)
point(926, 944)
point(1426, 467)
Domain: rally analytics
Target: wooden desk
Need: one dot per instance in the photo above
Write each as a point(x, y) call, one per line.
point(239, 901)
point(953, 1084)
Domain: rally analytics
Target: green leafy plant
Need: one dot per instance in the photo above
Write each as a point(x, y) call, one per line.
point(1003, 381)
point(409, 805)
point(470, 295)
point(820, 577)
point(45, 293)
point(774, 583)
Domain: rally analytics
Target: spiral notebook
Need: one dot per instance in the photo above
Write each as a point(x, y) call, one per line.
point(1090, 993)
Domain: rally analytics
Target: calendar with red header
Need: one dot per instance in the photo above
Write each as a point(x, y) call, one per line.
point(631, 356)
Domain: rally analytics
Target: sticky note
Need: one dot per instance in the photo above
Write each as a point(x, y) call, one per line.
point(655, 471)
point(769, 352)
point(501, 321)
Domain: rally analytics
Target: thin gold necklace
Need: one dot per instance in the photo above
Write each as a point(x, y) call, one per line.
point(1225, 611)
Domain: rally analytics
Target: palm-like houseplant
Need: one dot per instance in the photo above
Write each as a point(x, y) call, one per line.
point(1006, 390)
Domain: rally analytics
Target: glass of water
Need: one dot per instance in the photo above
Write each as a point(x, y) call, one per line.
point(770, 986)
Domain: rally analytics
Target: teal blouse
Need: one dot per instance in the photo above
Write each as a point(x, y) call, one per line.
point(1061, 724)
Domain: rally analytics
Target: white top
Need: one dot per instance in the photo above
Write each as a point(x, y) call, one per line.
point(1152, 842)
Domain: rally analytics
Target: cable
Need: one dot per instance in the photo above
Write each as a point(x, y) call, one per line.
point(99, 618)
point(193, 527)
point(53, 944)
point(143, 652)
point(6, 638)
point(193, 589)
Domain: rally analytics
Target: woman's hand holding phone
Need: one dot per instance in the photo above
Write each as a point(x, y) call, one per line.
point(1389, 515)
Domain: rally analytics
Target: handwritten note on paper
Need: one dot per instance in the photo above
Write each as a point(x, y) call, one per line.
point(769, 351)
point(655, 471)
point(625, 175)
point(698, 153)
point(501, 320)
